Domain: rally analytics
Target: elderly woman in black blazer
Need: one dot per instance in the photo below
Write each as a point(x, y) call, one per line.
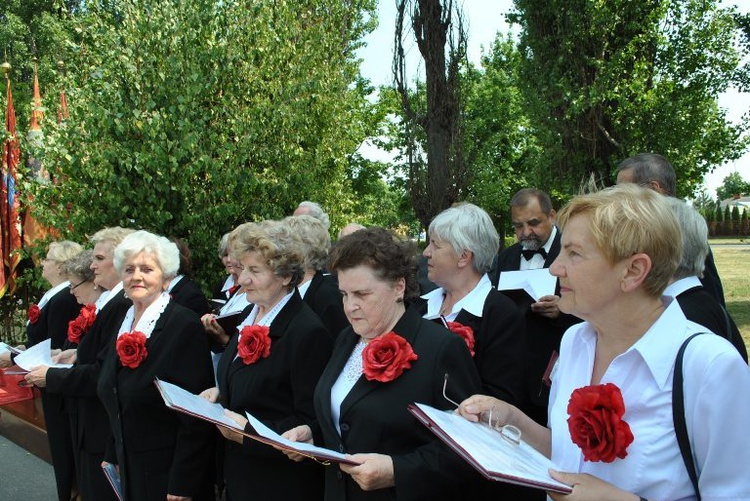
point(270, 366)
point(160, 454)
point(389, 358)
point(463, 244)
point(96, 284)
point(318, 289)
point(48, 319)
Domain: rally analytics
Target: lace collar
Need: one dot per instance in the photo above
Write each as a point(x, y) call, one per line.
point(148, 319)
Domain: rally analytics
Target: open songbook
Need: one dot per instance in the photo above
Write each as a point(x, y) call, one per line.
point(194, 405)
point(113, 477)
point(497, 456)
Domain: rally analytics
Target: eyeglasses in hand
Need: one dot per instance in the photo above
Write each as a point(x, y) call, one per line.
point(509, 432)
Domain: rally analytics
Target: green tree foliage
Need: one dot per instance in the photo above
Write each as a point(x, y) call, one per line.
point(732, 185)
point(32, 29)
point(496, 138)
point(189, 117)
point(607, 79)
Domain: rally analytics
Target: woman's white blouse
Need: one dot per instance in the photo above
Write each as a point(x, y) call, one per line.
point(717, 407)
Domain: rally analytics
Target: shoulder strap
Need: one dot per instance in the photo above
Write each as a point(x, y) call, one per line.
point(678, 415)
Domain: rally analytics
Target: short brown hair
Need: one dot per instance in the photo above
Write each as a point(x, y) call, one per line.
point(390, 257)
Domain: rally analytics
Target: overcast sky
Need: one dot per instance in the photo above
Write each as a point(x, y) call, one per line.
point(485, 18)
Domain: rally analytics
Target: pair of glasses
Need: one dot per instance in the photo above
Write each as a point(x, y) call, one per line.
point(509, 432)
point(73, 287)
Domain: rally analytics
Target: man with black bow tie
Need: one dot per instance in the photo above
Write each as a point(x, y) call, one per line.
point(538, 245)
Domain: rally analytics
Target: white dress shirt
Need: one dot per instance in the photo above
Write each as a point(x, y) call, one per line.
point(717, 408)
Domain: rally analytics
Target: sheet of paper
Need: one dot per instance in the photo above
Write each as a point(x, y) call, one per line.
point(266, 432)
point(5, 347)
point(39, 354)
point(177, 397)
point(536, 283)
point(490, 449)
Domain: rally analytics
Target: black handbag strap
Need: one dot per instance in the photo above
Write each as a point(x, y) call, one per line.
point(678, 415)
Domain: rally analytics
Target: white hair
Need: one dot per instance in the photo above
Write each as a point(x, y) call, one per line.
point(467, 227)
point(166, 253)
point(694, 239)
point(316, 211)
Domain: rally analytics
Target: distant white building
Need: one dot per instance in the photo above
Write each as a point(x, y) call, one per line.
point(741, 202)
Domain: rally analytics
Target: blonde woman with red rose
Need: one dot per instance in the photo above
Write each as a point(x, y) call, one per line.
point(160, 454)
point(611, 423)
point(389, 358)
point(270, 366)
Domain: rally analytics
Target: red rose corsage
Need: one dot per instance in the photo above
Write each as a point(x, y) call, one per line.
point(34, 312)
point(131, 348)
point(596, 424)
point(82, 323)
point(466, 332)
point(255, 342)
point(386, 357)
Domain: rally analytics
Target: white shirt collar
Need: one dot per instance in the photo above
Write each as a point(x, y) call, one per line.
point(302, 288)
point(109, 295)
point(655, 348)
point(681, 285)
point(48, 295)
point(174, 281)
point(473, 302)
point(548, 244)
point(228, 283)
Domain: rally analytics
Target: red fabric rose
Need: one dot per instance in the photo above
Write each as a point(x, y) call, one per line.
point(34, 313)
point(465, 332)
point(386, 357)
point(82, 323)
point(254, 343)
point(131, 348)
point(596, 424)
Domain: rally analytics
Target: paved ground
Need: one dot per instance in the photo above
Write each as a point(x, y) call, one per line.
point(23, 476)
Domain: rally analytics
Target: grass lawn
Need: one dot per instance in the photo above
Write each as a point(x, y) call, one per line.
point(733, 263)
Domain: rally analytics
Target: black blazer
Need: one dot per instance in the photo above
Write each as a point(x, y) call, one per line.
point(77, 385)
point(499, 346)
point(278, 390)
point(324, 298)
point(701, 307)
point(189, 294)
point(375, 419)
point(711, 280)
point(543, 334)
point(79, 382)
point(161, 451)
point(53, 320)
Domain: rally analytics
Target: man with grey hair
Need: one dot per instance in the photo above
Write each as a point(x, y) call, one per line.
point(649, 170)
point(698, 305)
point(313, 209)
point(655, 172)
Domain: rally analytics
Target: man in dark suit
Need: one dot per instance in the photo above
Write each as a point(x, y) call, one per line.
point(538, 245)
point(655, 172)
